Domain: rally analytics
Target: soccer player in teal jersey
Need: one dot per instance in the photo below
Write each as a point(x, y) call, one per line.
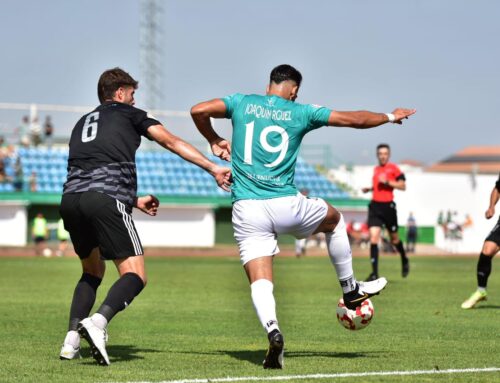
point(267, 133)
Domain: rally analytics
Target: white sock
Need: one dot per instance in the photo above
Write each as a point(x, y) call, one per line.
point(99, 320)
point(340, 254)
point(72, 338)
point(265, 306)
point(481, 289)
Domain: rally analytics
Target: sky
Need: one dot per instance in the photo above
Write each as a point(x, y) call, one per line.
point(441, 57)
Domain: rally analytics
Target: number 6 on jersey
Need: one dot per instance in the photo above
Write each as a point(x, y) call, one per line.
point(90, 125)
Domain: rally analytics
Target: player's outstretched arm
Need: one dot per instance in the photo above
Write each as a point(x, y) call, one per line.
point(188, 152)
point(201, 114)
point(364, 119)
point(494, 197)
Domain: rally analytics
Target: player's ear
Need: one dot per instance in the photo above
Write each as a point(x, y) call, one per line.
point(295, 93)
point(268, 88)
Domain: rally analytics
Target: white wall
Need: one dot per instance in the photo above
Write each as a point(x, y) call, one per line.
point(428, 193)
point(179, 226)
point(13, 224)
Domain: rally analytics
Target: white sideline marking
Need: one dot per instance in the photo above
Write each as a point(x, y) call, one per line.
point(329, 376)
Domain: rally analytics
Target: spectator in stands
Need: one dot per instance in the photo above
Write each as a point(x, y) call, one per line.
point(62, 236)
point(359, 234)
point(40, 233)
point(5, 150)
point(23, 130)
point(33, 182)
point(3, 174)
point(35, 132)
point(48, 131)
point(18, 175)
point(411, 233)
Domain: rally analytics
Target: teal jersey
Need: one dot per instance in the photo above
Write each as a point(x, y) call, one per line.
point(267, 133)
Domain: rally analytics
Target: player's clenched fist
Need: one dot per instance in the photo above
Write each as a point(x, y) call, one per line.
point(222, 176)
point(148, 204)
point(490, 213)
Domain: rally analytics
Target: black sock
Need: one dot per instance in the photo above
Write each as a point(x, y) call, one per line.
point(83, 299)
point(121, 294)
point(401, 250)
point(374, 258)
point(483, 270)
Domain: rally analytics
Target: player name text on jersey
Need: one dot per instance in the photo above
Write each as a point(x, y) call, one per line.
point(260, 112)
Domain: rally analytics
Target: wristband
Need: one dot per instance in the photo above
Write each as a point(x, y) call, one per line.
point(391, 117)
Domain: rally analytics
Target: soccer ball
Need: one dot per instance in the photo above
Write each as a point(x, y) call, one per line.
point(47, 252)
point(355, 319)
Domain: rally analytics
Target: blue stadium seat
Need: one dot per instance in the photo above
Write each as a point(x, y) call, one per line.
point(160, 172)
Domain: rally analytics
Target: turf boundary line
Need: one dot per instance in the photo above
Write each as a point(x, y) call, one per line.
point(328, 376)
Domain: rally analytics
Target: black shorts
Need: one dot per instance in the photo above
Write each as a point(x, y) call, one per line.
point(494, 235)
point(39, 239)
point(383, 214)
point(97, 220)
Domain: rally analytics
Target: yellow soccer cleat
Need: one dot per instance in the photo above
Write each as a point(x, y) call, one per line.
point(474, 299)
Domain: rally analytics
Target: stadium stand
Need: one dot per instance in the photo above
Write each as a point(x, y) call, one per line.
point(160, 173)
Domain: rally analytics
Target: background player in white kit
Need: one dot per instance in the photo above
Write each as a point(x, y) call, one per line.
point(267, 132)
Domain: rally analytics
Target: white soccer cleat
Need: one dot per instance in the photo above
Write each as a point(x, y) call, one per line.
point(68, 352)
point(372, 287)
point(97, 339)
point(364, 290)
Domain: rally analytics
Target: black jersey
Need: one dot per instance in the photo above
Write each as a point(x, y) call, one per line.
point(102, 151)
point(497, 184)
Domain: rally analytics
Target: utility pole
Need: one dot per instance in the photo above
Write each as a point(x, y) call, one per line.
point(151, 51)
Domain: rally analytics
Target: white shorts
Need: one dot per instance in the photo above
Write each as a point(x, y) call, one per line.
point(257, 223)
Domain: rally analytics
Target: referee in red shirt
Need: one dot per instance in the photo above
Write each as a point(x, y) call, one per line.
point(382, 209)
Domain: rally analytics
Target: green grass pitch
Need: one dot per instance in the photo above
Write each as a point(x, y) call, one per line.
point(195, 320)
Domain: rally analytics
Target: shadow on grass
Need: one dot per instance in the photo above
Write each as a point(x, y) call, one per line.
point(257, 356)
point(488, 307)
point(120, 353)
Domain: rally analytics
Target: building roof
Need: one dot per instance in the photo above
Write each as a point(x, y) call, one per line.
point(472, 159)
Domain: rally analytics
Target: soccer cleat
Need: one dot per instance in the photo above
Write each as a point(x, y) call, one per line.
point(372, 277)
point(474, 299)
point(274, 356)
point(406, 267)
point(68, 352)
point(363, 291)
point(97, 339)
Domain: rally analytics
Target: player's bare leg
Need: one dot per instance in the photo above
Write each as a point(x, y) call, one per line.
point(260, 275)
point(375, 232)
point(93, 268)
point(489, 250)
point(340, 254)
point(398, 245)
point(131, 282)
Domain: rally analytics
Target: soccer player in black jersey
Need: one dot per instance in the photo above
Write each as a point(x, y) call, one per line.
point(490, 248)
point(97, 202)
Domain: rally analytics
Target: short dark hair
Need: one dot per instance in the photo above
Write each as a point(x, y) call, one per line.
point(285, 72)
point(382, 146)
point(111, 80)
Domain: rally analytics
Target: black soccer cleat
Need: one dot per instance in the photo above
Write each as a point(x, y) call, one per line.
point(372, 277)
point(274, 356)
point(363, 291)
point(406, 267)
